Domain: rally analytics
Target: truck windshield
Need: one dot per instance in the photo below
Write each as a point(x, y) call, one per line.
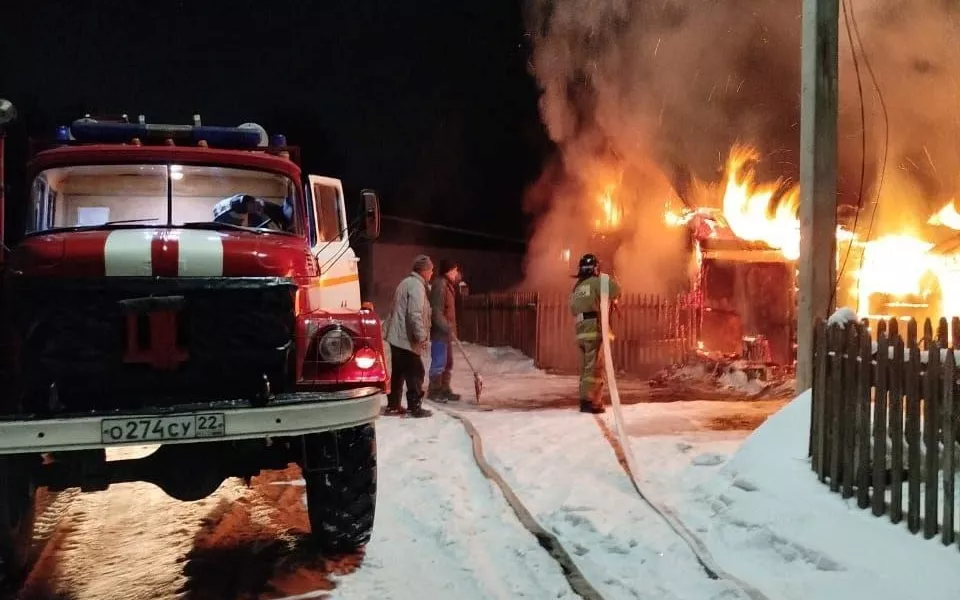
point(108, 195)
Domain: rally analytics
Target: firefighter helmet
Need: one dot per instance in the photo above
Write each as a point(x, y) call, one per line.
point(589, 265)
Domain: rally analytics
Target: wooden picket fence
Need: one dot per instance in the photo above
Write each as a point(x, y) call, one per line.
point(650, 331)
point(885, 417)
point(501, 319)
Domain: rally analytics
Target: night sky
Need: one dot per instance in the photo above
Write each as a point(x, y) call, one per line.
point(427, 101)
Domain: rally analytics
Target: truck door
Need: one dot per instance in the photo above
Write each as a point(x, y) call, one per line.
point(339, 285)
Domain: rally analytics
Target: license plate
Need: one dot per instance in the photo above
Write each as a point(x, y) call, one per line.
point(160, 429)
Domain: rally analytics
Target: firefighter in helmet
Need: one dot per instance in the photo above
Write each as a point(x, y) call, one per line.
point(585, 306)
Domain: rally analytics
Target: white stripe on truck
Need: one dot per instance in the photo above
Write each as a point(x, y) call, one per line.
point(201, 254)
point(127, 253)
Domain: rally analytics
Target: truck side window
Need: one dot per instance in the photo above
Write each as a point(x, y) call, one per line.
point(327, 199)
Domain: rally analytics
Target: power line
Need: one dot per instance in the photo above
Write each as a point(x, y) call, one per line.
point(850, 18)
point(474, 233)
point(886, 123)
point(863, 147)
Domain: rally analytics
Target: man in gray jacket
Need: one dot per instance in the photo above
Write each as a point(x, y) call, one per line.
point(408, 333)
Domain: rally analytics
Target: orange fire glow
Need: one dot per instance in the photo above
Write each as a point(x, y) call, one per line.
point(903, 268)
point(893, 265)
point(946, 217)
point(754, 212)
point(675, 219)
point(611, 211)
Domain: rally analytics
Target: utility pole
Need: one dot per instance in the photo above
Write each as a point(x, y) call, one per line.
point(818, 176)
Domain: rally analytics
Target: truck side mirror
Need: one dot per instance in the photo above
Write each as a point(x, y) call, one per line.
point(8, 112)
point(371, 214)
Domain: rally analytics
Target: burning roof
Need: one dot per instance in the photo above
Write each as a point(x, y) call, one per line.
point(746, 215)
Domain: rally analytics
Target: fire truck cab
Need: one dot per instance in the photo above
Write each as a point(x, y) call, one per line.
point(186, 287)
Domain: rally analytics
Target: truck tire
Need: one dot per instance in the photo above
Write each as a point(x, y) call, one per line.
point(17, 512)
point(341, 502)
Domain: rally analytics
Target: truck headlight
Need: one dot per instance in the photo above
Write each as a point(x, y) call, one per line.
point(335, 346)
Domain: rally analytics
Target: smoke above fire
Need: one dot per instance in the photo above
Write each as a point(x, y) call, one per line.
point(647, 100)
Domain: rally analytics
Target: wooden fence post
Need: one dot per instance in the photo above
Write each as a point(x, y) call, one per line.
point(880, 424)
point(949, 444)
point(931, 440)
point(897, 391)
point(849, 408)
point(835, 404)
point(818, 422)
point(913, 429)
point(864, 382)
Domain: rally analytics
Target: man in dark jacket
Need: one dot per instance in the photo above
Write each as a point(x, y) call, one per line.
point(443, 330)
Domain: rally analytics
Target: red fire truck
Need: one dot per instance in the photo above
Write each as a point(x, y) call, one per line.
point(186, 287)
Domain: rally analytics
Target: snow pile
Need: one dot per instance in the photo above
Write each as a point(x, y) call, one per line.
point(842, 316)
point(766, 518)
point(725, 375)
point(692, 373)
point(501, 360)
point(735, 379)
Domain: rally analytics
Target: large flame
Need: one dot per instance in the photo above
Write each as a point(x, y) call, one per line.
point(893, 265)
point(751, 209)
point(610, 213)
point(946, 216)
point(903, 268)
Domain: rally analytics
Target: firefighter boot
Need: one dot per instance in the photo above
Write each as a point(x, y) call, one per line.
point(445, 389)
point(586, 406)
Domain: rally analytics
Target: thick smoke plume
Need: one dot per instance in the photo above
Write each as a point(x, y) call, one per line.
point(647, 97)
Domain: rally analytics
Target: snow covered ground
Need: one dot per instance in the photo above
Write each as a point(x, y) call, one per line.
point(769, 520)
point(568, 475)
point(751, 496)
point(444, 531)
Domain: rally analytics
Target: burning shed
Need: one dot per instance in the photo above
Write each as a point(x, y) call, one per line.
point(746, 291)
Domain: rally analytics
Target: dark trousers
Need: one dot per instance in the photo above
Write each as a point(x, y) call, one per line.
point(405, 368)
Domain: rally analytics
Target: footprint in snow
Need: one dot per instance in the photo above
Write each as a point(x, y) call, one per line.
point(710, 459)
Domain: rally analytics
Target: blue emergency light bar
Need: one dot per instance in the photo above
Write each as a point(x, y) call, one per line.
point(91, 131)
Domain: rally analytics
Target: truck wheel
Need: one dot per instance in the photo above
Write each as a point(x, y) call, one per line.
point(341, 502)
point(17, 506)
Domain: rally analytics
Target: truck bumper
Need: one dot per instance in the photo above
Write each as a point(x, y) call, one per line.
point(288, 415)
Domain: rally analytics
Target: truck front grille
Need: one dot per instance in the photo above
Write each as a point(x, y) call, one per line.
point(133, 342)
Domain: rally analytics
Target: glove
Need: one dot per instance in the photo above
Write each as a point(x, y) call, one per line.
point(419, 346)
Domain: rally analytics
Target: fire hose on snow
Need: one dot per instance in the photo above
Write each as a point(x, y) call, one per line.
point(547, 540)
point(700, 551)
